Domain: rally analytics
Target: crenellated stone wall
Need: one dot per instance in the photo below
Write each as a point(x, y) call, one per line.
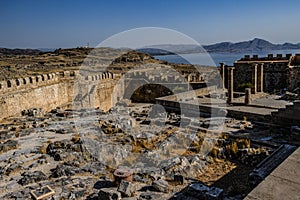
point(53, 90)
point(277, 72)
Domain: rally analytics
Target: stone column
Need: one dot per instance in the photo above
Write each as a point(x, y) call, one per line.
point(254, 79)
point(189, 78)
point(230, 84)
point(222, 72)
point(248, 96)
point(260, 78)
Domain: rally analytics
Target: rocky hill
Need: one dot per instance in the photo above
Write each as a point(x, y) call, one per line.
point(5, 51)
point(251, 45)
point(16, 63)
point(246, 46)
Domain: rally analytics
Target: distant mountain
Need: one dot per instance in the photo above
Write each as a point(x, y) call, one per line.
point(46, 49)
point(254, 45)
point(168, 49)
point(6, 51)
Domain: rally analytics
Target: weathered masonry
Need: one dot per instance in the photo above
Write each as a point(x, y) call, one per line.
point(61, 89)
point(268, 73)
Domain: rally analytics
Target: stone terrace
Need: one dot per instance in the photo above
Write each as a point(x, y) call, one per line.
point(282, 183)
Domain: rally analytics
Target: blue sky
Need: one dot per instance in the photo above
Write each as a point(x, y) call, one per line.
point(72, 23)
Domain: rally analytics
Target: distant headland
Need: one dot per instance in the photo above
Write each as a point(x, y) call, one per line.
point(254, 45)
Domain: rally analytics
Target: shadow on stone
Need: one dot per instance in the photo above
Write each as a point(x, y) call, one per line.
point(103, 184)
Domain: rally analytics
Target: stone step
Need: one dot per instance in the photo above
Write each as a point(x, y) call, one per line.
point(263, 169)
point(281, 109)
point(289, 115)
point(292, 107)
point(287, 121)
point(274, 114)
point(296, 103)
point(289, 106)
point(294, 113)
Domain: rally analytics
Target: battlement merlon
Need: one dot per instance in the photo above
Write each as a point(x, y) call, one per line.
point(13, 85)
point(269, 58)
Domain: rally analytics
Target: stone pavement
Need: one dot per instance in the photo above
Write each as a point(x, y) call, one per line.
point(282, 183)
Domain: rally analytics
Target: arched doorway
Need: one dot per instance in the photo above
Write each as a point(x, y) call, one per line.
point(149, 92)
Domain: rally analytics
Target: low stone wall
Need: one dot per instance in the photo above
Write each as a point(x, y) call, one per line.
point(176, 103)
point(188, 94)
point(288, 116)
point(46, 97)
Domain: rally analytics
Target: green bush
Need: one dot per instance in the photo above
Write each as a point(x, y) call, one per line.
point(179, 89)
point(243, 86)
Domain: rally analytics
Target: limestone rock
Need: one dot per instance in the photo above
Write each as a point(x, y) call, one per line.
point(11, 168)
point(64, 170)
point(20, 195)
point(94, 168)
point(109, 194)
point(126, 188)
point(168, 164)
point(32, 177)
point(8, 145)
point(161, 185)
point(150, 172)
point(152, 196)
point(34, 112)
point(200, 191)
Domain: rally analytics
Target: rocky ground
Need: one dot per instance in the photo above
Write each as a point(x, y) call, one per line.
point(14, 65)
point(18, 64)
point(73, 154)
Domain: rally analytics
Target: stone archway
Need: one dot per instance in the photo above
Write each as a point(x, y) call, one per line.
point(147, 93)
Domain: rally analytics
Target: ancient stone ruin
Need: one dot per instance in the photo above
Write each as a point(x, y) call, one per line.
point(154, 132)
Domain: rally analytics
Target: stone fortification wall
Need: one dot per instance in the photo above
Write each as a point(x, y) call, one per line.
point(52, 90)
point(274, 71)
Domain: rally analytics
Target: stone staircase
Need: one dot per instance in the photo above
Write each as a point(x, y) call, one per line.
point(290, 115)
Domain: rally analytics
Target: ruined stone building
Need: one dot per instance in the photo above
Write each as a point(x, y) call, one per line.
point(273, 73)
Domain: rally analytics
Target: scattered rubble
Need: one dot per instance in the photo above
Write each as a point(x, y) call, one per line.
point(161, 185)
point(109, 194)
point(32, 177)
point(199, 191)
point(126, 188)
point(8, 145)
point(80, 154)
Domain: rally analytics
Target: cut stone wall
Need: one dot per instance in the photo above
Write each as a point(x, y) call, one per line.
point(276, 72)
point(49, 91)
point(293, 80)
point(274, 75)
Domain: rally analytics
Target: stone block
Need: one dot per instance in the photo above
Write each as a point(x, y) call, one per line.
point(214, 194)
point(168, 164)
point(109, 194)
point(160, 185)
point(197, 190)
point(152, 195)
point(126, 188)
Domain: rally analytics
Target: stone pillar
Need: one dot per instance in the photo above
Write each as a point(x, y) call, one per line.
point(222, 72)
point(260, 78)
point(248, 96)
point(254, 79)
point(230, 84)
point(189, 78)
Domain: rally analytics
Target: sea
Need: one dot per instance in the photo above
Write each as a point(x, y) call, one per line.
point(214, 59)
